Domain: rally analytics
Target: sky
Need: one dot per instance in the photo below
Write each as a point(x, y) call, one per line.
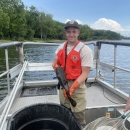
point(111, 15)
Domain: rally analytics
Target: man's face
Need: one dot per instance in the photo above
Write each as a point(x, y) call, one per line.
point(72, 34)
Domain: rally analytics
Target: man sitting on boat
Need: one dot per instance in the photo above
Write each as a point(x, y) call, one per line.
point(76, 60)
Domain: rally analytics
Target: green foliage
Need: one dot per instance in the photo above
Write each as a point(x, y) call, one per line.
point(16, 13)
point(19, 22)
point(105, 34)
point(4, 22)
point(85, 32)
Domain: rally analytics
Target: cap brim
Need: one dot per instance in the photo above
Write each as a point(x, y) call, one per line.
point(71, 26)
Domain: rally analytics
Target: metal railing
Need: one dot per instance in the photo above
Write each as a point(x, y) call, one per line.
point(115, 67)
point(6, 46)
point(97, 47)
point(12, 96)
point(19, 47)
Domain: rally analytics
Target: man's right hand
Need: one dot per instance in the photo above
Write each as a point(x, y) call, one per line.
point(54, 64)
point(65, 95)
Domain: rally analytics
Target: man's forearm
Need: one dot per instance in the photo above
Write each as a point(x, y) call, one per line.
point(127, 107)
point(128, 101)
point(84, 75)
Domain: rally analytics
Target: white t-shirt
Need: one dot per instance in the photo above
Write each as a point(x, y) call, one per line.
point(85, 54)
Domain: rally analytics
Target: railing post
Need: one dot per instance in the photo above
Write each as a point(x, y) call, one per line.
point(115, 49)
point(96, 56)
point(20, 54)
point(7, 69)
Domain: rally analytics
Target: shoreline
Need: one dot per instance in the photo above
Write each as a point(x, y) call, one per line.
point(48, 41)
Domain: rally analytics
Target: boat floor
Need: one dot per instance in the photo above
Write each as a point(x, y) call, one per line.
point(97, 96)
point(22, 102)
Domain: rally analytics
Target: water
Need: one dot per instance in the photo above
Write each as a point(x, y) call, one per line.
point(46, 54)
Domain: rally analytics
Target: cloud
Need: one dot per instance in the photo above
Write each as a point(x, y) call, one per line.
point(108, 24)
point(67, 20)
point(78, 21)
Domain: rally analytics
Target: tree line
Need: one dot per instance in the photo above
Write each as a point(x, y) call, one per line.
point(19, 22)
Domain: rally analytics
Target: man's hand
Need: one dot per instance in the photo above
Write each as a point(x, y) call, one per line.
point(54, 64)
point(72, 88)
point(65, 95)
point(78, 81)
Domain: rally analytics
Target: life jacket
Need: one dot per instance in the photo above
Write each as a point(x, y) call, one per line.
point(70, 63)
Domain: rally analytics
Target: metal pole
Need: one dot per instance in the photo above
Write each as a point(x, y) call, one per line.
point(7, 69)
point(20, 54)
point(115, 49)
point(96, 57)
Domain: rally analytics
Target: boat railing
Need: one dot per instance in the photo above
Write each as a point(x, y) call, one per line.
point(11, 73)
point(105, 66)
point(97, 63)
point(12, 94)
point(7, 71)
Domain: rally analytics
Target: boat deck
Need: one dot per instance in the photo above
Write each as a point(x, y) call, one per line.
point(105, 98)
point(22, 102)
point(98, 96)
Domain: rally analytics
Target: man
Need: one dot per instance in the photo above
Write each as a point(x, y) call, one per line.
point(127, 107)
point(76, 60)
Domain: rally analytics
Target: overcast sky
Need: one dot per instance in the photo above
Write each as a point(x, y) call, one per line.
point(111, 15)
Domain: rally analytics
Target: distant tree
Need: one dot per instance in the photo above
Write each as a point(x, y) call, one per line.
point(59, 30)
point(41, 25)
point(18, 21)
point(16, 14)
point(85, 32)
point(4, 22)
point(47, 27)
point(32, 21)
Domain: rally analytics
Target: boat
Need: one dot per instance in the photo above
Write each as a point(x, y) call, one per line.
point(26, 98)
